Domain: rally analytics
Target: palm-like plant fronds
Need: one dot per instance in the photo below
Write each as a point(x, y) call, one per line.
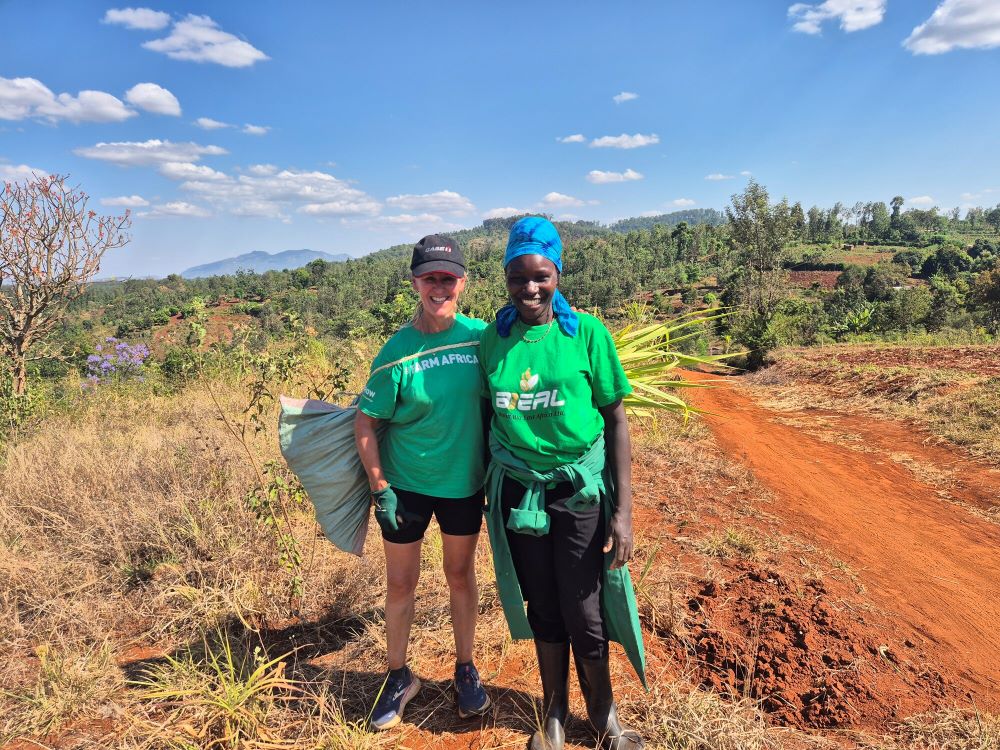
point(649, 354)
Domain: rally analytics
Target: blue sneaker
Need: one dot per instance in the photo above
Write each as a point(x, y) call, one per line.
point(396, 692)
point(472, 698)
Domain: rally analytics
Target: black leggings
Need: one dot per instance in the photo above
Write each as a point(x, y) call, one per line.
point(560, 572)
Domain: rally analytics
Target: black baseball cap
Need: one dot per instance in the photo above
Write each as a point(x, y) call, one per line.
point(435, 252)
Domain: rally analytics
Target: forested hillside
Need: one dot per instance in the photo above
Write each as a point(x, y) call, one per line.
point(872, 270)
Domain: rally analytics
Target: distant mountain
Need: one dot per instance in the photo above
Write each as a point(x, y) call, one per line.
point(260, 261)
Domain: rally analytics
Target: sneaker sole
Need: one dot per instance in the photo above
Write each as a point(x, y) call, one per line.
point(463, 714)
point(410, 693)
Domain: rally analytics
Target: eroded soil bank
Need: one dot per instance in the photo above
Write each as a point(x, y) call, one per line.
point(915, 524)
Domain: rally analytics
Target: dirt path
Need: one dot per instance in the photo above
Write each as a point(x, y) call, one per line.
point(869, 492)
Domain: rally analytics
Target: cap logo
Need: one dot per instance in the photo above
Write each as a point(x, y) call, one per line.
point(442, 249)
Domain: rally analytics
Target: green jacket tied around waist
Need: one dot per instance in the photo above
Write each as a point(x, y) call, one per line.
point(593, 483)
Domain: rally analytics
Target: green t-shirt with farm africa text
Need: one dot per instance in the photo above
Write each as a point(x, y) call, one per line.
point(545, 395)
point(434, 441)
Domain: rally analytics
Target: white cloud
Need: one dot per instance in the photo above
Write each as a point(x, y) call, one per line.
point(554, 200)
point(199, 39)
point(413, 223)
point(410, 219)
point(176, 208)
point(19, 172)
point(746, 173)
point(340, 208)
point(443, 201)
point(88, 106)
point(625, 141)
point(207, 123)
point(270, 193)
point(682, 202)
point(575, 138)
point(126, 201)
point(957, 24)
point(187, 171)
point(21, 98)
point(262, 170)
point(854, 15)
point(153, 98)
point(921, 201)
point(148, 153)
point(625, 96)
point(598, 177)
point(262, 209)
point(503, 213)
point(256, 129)
point(716, 176)
point(137, 18)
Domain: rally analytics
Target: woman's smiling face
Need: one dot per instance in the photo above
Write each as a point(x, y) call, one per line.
point(439, 292)
point(531, 282)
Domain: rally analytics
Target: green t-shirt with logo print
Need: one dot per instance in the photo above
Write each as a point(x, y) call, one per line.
point(546, 388)
point(433, 443)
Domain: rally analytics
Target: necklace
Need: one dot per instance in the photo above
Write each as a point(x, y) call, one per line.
point(526, 340)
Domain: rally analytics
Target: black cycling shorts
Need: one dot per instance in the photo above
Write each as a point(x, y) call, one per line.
point(457, 516)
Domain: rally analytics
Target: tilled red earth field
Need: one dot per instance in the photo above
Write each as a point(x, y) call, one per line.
point(900, 619)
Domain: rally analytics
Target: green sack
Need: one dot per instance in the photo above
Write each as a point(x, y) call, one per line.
point(317, 441)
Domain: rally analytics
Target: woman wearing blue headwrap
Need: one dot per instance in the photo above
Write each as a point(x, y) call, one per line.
point(559, 486)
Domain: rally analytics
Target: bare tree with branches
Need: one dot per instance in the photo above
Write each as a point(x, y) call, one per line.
point(51, 246)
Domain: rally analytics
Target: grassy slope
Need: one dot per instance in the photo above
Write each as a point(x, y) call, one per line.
point(952, 391)
point(127, 552)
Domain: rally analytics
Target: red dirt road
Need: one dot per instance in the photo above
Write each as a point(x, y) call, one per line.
point(931, 564)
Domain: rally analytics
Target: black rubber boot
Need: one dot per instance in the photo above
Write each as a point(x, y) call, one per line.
point(595, 682)
point(553, 665)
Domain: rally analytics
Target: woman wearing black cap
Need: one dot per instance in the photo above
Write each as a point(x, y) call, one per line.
point(559, 487)
point(424, 389)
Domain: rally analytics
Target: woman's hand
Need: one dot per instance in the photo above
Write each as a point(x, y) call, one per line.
point(620, 539)
point(619, 448)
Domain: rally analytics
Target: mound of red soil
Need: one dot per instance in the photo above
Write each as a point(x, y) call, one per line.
point(915, 626)
point(809, 658)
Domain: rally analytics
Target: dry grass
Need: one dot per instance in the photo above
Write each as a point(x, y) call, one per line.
point(142, 604)
point(938, 387)
point(943, 730)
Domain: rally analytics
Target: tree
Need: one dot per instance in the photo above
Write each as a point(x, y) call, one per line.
point(51, 245)
point(683, 237)
point(758, 232)
point(880, 220)
point(993, 218)
point(798, 218)
point(948, 261)
point(897, 206)
point(986, 294)
point(816, 224)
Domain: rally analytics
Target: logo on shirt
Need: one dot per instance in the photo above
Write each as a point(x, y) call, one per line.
point(527, 399)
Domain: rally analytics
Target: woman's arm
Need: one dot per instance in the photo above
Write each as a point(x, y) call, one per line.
point(367, 443)
point(619, 447)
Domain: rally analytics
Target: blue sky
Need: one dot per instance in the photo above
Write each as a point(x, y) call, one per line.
point(347, 127)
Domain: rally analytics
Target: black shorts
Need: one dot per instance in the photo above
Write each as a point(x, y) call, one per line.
point(457, 516)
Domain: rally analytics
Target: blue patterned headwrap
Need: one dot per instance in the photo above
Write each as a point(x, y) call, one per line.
point(534, 235)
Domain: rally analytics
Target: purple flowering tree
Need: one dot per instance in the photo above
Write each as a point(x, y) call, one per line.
point(117, 361)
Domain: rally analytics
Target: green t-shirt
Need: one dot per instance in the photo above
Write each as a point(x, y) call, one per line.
point(434, 441)
point(545, 395)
